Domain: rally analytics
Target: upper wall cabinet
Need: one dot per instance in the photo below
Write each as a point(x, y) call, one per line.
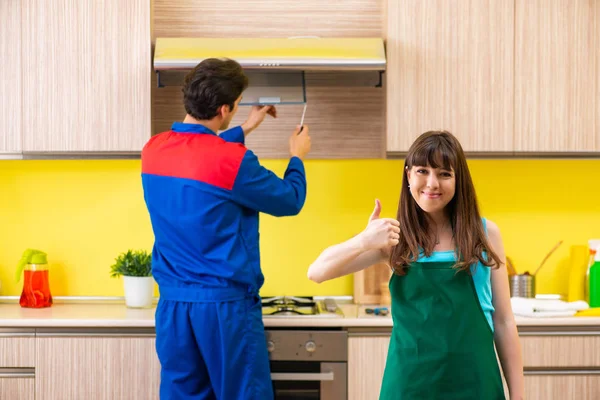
point(450, 66)
point(10, 77)
point(557, 76)
point(86, 75)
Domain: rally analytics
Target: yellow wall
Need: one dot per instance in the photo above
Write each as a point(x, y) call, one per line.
point(84, 213)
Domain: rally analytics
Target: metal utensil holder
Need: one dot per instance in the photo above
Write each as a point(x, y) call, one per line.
point(522, 286)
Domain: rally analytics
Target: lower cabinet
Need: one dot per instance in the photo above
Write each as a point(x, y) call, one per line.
point(109, 363)
point(560, 363)
point(17, 364)
point(366, 363)
point(561, 386)
point(96, 365)
point(16, 385)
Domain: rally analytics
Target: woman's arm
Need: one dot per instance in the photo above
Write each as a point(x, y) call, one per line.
point(506, 336)
point(343, 259)
point(369, 247)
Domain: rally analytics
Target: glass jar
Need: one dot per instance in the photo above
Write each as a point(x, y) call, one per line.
point(36, 286)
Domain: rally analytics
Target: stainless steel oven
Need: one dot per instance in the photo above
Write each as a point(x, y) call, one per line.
point(308, 364)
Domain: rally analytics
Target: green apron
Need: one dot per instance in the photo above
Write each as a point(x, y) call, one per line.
point(442, 347)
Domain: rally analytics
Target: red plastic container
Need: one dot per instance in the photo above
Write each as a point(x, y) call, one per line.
point(36, 288)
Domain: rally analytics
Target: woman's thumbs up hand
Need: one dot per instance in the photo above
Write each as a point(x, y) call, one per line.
point(380, 233)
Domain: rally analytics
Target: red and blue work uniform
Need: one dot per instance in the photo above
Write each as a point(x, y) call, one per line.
point(204, 193)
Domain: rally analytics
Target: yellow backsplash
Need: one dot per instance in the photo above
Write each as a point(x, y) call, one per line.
point(84, 213)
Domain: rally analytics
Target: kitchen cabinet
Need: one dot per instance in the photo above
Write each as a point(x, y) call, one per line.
point(10, 77)
point(450, 66)
point(16, 388)
point(87, 75)
point(96, 364)
point(366, 364)
point(557, 76)
point(505, 77)
point(17, 348)
point(570, 349)
point(561, 387)
point(17, 361)
point(561, 364)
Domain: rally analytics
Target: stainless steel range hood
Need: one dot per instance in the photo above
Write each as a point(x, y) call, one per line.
point(275, 67)
point(305, 54)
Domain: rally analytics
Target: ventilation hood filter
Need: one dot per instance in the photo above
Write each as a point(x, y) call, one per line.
point(305, 54)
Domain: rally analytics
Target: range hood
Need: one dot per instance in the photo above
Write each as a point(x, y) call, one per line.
point(303, 54)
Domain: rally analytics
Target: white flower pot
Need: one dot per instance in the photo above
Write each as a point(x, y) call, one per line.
point(138, 291)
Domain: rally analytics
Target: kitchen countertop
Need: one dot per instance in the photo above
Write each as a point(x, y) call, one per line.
point(83, 315)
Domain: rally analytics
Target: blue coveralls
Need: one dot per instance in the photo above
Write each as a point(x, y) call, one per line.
point(204, 193)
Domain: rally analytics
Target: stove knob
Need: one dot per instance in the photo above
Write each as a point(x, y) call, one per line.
point(310, 346)
point(270, 346)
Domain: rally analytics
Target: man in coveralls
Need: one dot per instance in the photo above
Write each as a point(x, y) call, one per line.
point(204, 192)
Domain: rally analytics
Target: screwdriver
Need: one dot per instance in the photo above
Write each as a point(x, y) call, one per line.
point(302, 120)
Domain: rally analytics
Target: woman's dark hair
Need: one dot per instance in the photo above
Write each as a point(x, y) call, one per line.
point(440, 149)
point(211, 84)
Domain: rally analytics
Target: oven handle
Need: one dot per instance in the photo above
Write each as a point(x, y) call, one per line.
point(300, 376)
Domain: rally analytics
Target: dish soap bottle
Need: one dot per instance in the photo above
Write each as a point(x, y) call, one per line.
point(595, 280)
point(592, 245)
point(36, 285)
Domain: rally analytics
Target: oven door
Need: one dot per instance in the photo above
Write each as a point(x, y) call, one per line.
point(309, 380)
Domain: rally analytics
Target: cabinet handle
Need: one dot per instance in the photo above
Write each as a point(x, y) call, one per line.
point(95, 334)
point(16, 332)
point(16, 335)
point(387, 334)
point(299, 376)
point(17, 373)
point(561, 372)
point(560, 333)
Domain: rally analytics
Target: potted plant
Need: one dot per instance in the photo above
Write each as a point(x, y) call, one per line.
point(136, 268)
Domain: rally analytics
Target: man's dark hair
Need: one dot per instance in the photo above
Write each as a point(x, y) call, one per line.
point(211, 84)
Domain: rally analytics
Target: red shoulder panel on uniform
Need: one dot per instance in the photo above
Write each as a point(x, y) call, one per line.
point(200, 157)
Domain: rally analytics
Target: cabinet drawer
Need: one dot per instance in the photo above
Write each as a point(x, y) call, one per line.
point(561, 351)
point(16, 385)
point(561, 387)
point(17, 348)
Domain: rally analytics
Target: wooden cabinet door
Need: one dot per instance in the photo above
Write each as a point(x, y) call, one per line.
point(86, 79)
point(561, 351)
point(450, 66)
point(96, 368)
point(562, 364)
point(17, 348)
point(562, 387)
point(557, 76)
point(366, 362)
point(17, 386)
point(10, 77)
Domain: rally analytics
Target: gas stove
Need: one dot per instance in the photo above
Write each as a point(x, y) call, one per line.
point(300, 306)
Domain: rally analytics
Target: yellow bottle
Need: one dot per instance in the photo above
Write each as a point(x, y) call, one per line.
point(577, 273)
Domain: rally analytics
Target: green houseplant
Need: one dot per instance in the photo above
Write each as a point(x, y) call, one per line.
point(135, 266)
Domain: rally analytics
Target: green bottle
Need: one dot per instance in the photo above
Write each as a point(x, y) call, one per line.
point(595, 281)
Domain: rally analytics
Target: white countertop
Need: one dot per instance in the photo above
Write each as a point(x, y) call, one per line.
point(76, 315)
point(119, 316)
